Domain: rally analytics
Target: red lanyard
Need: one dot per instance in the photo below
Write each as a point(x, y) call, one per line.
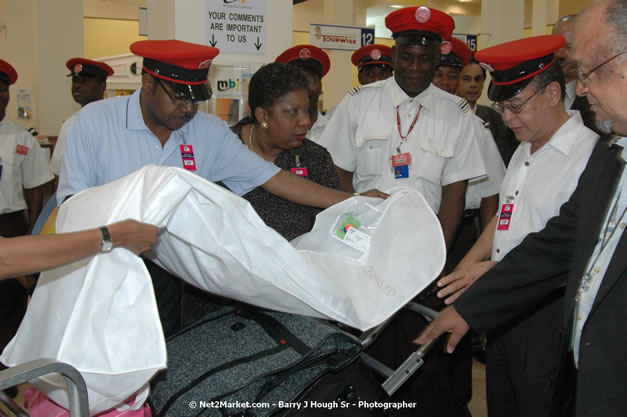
point(398, 123)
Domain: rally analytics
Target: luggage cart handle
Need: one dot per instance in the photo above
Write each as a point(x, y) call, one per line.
point(77, 390)
point(407, 369)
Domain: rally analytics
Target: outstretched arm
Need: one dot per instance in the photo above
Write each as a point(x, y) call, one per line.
point(28, 254)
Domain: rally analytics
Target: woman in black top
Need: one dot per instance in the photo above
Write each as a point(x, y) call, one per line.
point(278, 99)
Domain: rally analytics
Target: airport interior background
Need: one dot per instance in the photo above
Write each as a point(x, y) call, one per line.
point(38, 36)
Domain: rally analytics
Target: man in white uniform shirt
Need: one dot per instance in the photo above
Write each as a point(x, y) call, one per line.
point(23, 174)
point(482, 194)
point(89, 82)
point(527, 86)
point(404, 131)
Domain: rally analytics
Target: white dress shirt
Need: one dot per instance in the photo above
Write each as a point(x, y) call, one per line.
point(538, 184)
point(363, 135)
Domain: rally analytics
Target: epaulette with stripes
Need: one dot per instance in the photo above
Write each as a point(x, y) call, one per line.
point(354, 90)
point(464, 105)
point(486, 124)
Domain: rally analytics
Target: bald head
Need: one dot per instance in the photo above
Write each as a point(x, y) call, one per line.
point(599, 41)
point(565, 27)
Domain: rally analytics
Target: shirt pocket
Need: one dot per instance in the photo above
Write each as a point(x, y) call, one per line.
point(372, 156)
point(434, 156)
point(11, 171)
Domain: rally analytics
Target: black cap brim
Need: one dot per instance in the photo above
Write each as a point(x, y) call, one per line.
point(498, 92)
point(417, 37)
point(195, 92)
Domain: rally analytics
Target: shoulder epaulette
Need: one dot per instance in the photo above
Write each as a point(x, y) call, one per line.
point(486, 124)
point(464, 105)
point(354, 90)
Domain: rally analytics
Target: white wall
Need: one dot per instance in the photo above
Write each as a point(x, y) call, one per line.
point(40, 36)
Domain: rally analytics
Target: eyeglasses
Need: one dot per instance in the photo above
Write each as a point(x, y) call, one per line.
point(178, 100)
point(512, 108)
point(582, 77)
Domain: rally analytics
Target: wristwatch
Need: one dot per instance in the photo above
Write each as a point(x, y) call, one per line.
point(107, 244)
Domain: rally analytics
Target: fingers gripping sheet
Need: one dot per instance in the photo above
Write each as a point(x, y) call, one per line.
point(364, 259)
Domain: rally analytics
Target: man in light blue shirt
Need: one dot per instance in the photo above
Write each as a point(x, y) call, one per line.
point(160, 124)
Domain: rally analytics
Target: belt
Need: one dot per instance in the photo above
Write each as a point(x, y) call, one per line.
point(470, 216)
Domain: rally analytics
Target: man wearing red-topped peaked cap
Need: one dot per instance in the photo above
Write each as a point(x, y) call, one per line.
point(316, 64)
point(23, 175)
point(404, 131)
point(481, 194)
point(447, 74)
point(160, 124)
point(374, 63)
point(89, 82)
point(528, 89)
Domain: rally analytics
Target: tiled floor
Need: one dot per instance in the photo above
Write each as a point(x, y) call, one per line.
point(478, 406)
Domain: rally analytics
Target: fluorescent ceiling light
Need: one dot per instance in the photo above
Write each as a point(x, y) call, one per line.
point(395, 6)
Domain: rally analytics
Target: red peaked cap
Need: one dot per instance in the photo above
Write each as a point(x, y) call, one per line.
point(185, 65)
point(308, 56)
point(459, 57)
point(7, 72)
point(513, 65)
point(84, 66)
point(420, 26)
point(372, 54)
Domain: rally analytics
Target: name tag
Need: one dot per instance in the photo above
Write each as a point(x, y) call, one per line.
point(400, 165)
point(187, 156)
point(301, 171)
point(505, 217)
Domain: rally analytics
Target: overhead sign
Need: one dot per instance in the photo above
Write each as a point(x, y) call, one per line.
point(237, 26)
point(471, 40)
point(340, 37)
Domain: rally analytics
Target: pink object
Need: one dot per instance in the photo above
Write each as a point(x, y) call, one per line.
point(39, 405)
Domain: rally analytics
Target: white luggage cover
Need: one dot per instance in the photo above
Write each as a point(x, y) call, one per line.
point(100, 316)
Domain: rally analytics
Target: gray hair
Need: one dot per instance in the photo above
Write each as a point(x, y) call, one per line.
point(616, 18)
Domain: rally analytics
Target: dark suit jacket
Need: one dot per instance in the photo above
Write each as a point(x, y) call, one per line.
point(556, 257)
point(503, 136)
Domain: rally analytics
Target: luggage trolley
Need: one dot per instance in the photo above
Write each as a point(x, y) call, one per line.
point(77, 390)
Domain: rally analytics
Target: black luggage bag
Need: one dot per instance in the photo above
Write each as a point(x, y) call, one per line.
point(242, 361)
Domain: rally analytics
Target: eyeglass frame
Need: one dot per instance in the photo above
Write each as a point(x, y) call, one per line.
point(180, 100)
point(582, 77)
point(512, 108)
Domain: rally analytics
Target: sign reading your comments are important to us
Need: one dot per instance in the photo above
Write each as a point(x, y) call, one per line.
point(237, 26)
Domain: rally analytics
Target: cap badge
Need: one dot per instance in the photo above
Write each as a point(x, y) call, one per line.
point(78, 68)
point(486, 67)
point(304, 53)
point(204, 64)
point(423, 14)
point(446, 47)
point(375, 54)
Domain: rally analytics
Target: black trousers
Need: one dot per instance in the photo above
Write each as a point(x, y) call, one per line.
point(168, 292)
point(442, 386)
point(522, 360)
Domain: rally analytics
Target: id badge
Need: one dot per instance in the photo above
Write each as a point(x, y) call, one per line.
point(400, 165)
point(505, 217)
point(300, 171)
point(187, 156)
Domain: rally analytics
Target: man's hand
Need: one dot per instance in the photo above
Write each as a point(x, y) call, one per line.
point(447, 321)
point(459, 280)
point(375, 193)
